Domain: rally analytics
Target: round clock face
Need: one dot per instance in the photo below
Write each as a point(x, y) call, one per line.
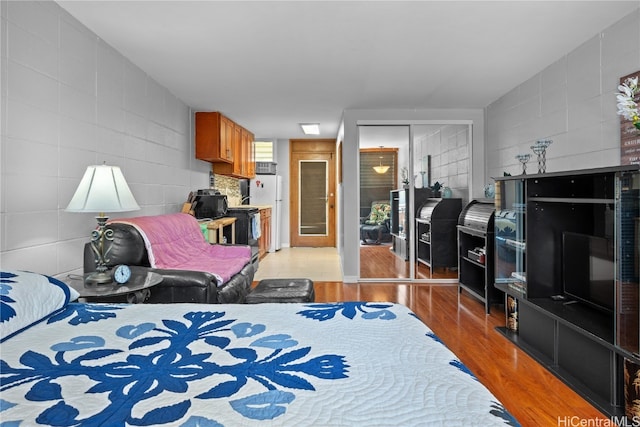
point(121, 274)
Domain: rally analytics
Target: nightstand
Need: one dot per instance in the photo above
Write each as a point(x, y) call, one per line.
point(136, 290)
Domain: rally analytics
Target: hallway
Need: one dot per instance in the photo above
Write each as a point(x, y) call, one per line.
point(322, 264)
point(318, 264)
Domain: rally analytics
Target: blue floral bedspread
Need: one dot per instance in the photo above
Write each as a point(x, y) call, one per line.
point(342, 364)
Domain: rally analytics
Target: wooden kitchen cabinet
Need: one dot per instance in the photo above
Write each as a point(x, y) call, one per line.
point(226, 144)
point(248, 154)
point(264, 243)
point(214, 133)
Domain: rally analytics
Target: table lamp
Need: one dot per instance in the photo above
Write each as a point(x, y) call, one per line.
point(102, 189)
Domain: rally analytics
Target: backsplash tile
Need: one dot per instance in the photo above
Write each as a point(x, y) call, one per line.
point(228, 185)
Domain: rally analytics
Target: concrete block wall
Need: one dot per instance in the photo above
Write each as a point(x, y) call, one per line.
point(572, 102)
point(69, 100)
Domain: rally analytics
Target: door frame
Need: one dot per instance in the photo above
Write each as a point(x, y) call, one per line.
point(312, 149)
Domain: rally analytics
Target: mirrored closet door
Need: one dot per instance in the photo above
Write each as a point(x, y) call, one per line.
point(402, 167)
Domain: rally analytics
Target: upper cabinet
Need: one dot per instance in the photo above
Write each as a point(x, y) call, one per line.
point(224, 143)
point(214, 133)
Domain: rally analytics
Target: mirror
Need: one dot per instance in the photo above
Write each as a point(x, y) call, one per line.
point(442, 153)
point(424, 154)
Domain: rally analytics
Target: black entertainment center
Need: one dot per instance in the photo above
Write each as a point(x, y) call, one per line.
point(567, 256)
point(588, 270)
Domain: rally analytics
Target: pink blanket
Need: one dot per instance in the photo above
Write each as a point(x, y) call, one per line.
point(175, 241)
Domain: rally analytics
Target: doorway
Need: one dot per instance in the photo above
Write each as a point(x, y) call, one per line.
point(312, 201)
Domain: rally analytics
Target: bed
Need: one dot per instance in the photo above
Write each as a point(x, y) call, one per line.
point(67, 363)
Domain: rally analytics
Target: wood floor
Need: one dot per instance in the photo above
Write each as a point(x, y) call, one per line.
point(532, 394)
point(379, 262)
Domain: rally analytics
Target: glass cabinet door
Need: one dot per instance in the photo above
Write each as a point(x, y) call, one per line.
point(510, 234)
point(628, 260)
point(398, 213)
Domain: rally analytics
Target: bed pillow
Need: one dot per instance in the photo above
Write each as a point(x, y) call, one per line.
point(27, 298)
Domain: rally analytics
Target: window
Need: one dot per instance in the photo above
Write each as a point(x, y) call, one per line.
point(263, 151)
point(376, 186)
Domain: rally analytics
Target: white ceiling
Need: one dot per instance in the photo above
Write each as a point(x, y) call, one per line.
point(270, 65)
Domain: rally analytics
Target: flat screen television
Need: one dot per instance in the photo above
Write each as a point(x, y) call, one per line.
point(588, 269)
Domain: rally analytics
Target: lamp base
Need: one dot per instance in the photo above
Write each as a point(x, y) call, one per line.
point(98, 278)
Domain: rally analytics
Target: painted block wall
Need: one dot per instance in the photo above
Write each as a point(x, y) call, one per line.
point(571, 102)
point(68, 101)
point(450, 161)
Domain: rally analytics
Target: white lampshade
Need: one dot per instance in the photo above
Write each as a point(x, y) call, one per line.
point(103, 189)
point(381, 169)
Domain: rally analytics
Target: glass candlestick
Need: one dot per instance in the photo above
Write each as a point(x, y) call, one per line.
point(523, 158)
point(540, 149)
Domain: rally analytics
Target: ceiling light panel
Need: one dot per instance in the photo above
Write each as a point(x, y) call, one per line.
point(310, 128)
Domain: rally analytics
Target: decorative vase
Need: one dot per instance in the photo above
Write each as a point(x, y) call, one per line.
point(540, 149)
point(489, 191)
point(523, 158)
point(447, 193)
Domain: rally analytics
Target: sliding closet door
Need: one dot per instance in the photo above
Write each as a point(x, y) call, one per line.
point(426, 153)
point(385, 220)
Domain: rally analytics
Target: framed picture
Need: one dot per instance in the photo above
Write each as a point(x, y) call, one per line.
point(629, 135)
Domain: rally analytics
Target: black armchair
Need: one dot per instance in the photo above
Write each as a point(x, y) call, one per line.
point(177, 285)
point(376, 226)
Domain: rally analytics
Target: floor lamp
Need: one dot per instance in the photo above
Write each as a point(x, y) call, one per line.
point(102, 189)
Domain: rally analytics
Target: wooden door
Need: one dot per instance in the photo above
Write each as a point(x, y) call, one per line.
point(312, 191)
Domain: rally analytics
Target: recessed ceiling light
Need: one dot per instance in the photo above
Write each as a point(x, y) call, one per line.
point(310, 128)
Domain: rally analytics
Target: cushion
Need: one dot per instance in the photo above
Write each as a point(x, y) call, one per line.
point(27, 298)
point(379, 213)
point(282, 291)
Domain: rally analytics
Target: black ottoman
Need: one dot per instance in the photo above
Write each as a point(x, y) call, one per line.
point(282, 290)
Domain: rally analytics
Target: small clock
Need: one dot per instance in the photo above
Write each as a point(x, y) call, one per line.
point(121, 274)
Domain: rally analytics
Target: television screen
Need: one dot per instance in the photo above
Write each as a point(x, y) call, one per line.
point(588, 269)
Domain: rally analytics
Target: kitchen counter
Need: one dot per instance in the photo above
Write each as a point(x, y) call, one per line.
point(251, 207)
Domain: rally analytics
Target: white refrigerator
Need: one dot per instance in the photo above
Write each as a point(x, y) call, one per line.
point(267, 190)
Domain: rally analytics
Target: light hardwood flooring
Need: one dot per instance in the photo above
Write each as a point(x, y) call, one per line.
point(323, 264)
point(530, 392)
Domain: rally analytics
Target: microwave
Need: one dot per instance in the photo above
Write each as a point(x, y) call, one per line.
point(210, 206)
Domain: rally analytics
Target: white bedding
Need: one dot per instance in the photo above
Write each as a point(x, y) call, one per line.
point(343, 364)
